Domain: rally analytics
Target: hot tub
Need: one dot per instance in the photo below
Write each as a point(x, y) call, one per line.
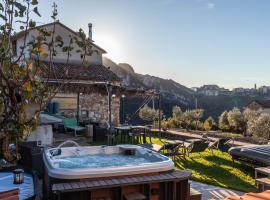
point(103, 161)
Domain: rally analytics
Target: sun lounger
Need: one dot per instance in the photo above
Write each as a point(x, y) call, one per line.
point(71, 123)
point(221, 144)
point(196, 146)
point(175, 153)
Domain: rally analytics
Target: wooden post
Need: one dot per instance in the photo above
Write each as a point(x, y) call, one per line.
point(110, 113)
point(78, 107)
point(159, 114)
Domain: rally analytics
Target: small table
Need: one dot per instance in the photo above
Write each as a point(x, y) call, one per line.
point(262, 170)
point(126, 129)
point(26, 188)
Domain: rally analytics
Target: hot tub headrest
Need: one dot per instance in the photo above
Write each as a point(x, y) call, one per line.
point(55, 152)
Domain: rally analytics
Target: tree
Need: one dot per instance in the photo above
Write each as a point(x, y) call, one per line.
point(177, 116)
point(191, 118)
point(236, 120)
point(24, 78)
point(250, 117)
point(223, 122)
point(260, 127)
point(209, 124)
point(177, 113)
point(148, 114)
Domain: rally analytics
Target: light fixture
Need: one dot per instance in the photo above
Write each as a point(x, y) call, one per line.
point(18, 176)
point(123, 96)
point(113, 96)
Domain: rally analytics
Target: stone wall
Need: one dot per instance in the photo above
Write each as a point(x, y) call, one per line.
point(98, 108)
point(95, 104)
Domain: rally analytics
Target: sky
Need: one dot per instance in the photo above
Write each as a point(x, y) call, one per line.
point(194, 42)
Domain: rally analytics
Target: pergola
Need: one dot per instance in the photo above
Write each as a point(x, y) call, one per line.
point(93, 79)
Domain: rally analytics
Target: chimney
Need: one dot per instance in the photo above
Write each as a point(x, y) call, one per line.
point(90, 32)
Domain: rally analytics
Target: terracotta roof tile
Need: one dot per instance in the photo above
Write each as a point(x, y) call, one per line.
point(79, 72)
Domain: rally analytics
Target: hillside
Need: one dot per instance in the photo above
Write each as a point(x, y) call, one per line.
point(174, 93)
point(167, 87)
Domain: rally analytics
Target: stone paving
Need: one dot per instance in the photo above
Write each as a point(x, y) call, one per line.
point(210, 192)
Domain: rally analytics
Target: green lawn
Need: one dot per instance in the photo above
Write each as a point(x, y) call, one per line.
point(215, 169)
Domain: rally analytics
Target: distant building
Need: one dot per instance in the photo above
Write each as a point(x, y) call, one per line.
point(244, 91)
point(212, 90)
point(264, 89)
point(259, 105)
point(238, 90)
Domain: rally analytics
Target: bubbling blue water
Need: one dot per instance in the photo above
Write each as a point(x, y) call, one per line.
point(100, 161)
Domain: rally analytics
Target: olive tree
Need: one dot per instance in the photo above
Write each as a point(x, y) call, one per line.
point(177, 116)
point(260, 127)
point(223, 122)
point(148, 114)
point(250, 117)
point(236, 120)
point(191, 118)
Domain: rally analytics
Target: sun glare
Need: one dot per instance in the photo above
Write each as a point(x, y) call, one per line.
point(111, 44)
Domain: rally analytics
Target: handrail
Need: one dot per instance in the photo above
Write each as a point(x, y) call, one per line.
point(68, 142)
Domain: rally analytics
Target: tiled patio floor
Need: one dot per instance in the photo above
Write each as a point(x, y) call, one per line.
point(210, 192)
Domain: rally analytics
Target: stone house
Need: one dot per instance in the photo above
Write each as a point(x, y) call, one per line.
point(91, 72)
point(260, 105)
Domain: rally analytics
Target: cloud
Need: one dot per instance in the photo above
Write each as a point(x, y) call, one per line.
point(210, 6)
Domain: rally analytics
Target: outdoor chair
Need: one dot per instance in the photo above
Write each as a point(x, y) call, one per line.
point(136, 135)
point(221, 144)
point(197, 146)
point(71, 123)
point(175, 153)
